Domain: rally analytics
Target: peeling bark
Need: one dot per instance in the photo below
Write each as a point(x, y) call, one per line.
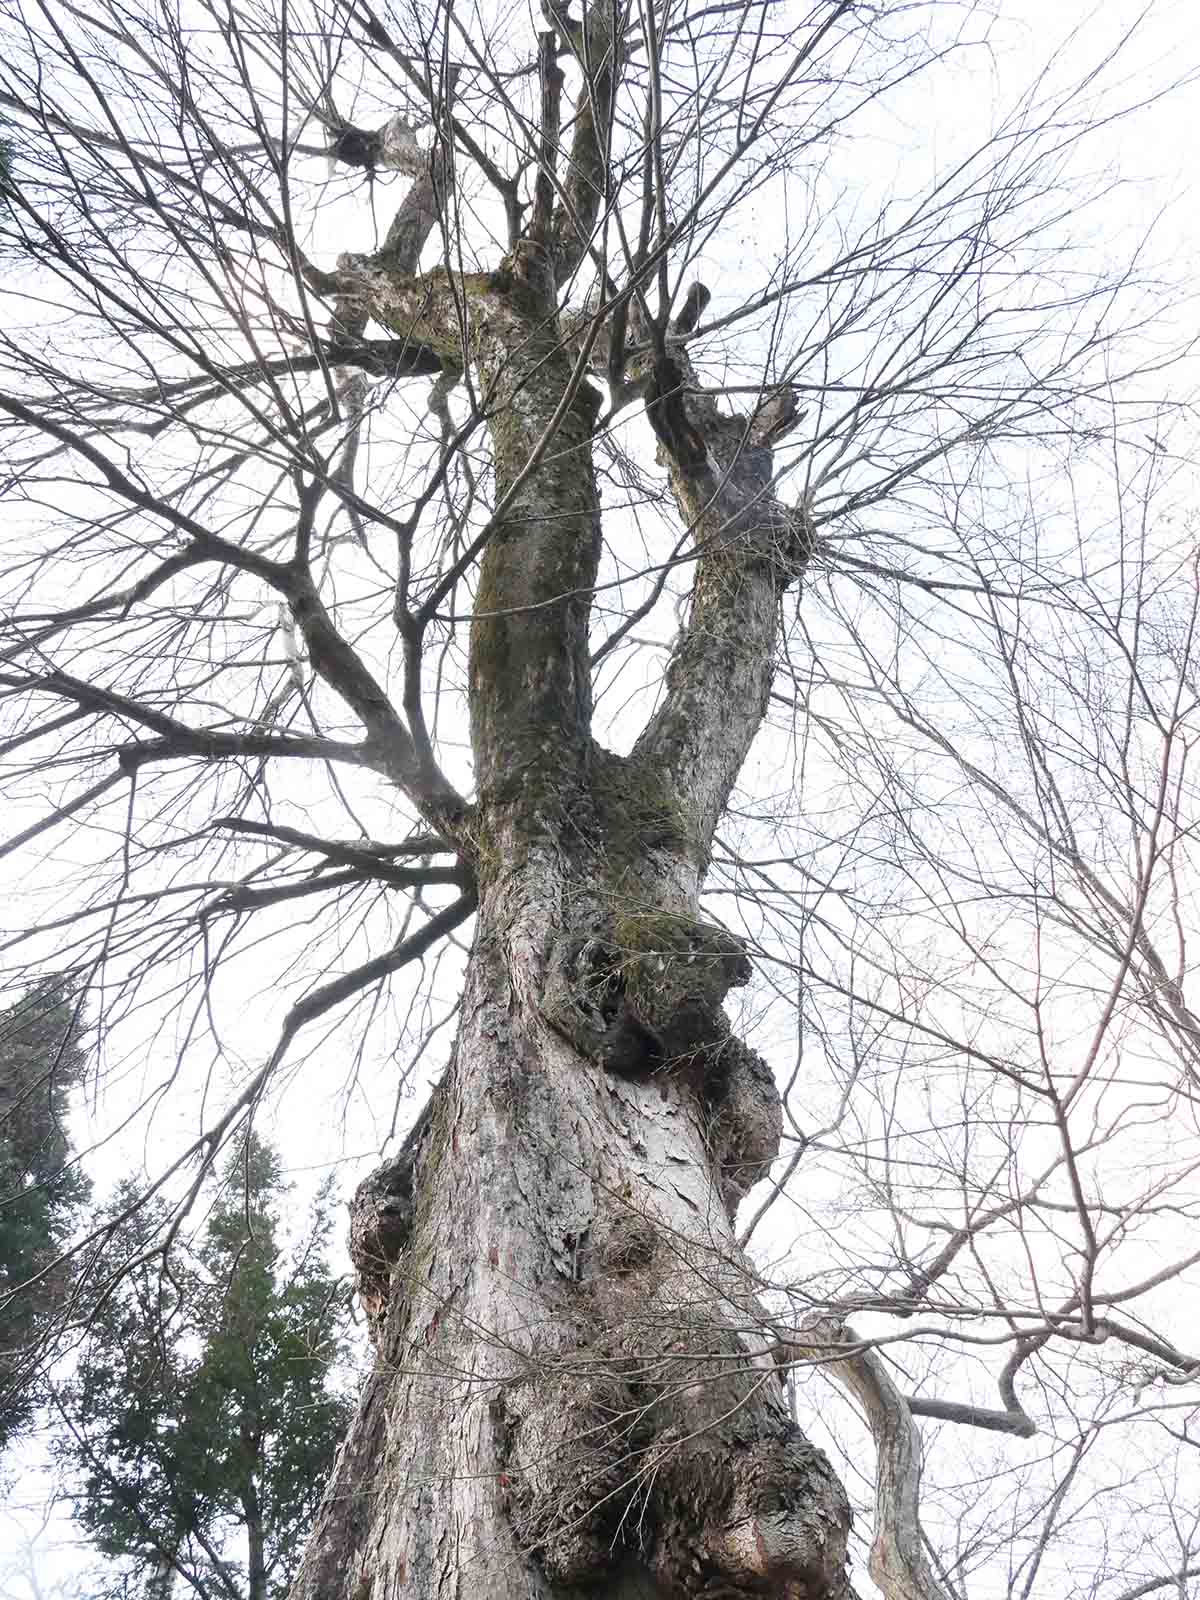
point(575, 1384)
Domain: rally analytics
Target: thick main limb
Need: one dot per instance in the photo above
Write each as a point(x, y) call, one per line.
point(749, 548)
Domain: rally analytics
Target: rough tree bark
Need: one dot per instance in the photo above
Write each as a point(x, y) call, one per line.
point(575, 1385)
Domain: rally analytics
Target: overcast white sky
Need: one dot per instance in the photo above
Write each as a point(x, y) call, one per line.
point(1154, 154)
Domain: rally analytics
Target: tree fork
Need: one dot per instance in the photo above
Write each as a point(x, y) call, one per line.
point(570, 1346)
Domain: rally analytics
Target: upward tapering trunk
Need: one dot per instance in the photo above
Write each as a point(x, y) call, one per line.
point(573, 1382)
point(256, 1566)
point(160, 1578)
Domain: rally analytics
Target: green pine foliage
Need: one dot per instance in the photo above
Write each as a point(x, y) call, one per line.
point(204, 1417)
point(41, 1060)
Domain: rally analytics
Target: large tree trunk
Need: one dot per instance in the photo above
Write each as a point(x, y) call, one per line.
point(573, 1383)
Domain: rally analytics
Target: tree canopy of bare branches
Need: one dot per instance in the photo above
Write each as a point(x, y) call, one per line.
point(542, 530)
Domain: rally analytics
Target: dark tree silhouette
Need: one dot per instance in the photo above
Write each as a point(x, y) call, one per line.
point(41, 1192)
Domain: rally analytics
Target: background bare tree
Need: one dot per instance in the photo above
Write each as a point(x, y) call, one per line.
point(1010, 1106)
point(357, 593)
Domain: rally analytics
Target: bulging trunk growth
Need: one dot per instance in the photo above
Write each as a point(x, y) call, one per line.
point(574, 1385)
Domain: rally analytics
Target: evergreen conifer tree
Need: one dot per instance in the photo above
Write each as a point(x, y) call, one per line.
point(202, 1422)
point(40, 1191)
